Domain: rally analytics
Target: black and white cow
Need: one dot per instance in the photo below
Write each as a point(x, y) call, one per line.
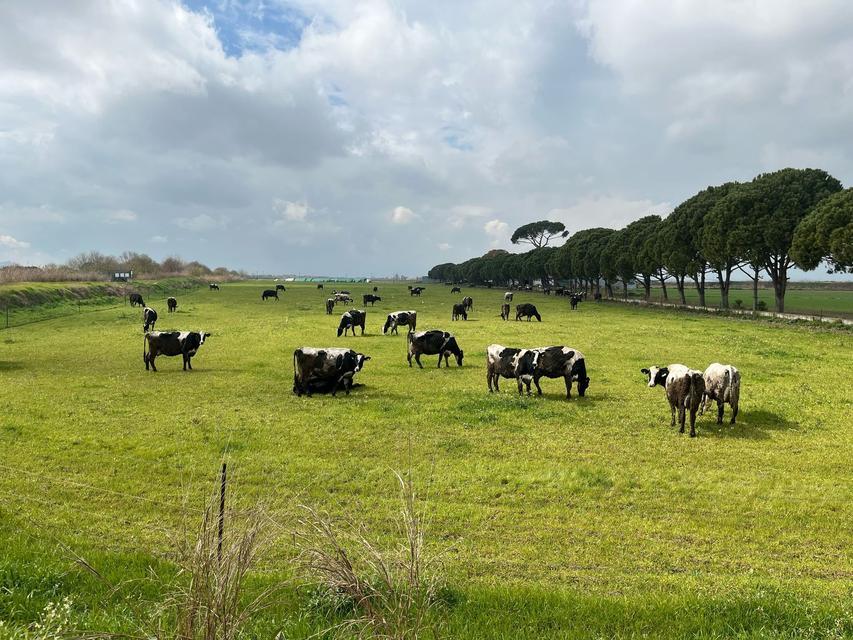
point(551, 362)
point(505, 311)
point(280, 287)
point(370, 298)
point(172, 343)
point(722, 383)
point(416, 291)
point(149, 318)
point(172, 304)
point(684, 390)
point(508, 296)
point(324, 370)
point(574, 300)
point(500, 362)
point(213, 286)
point(352, 319)
point(400, 319)
point(431, 343)
point(341, 296)
point(456, 290)
point(527, 310)
point(330, 305)
point(459, 312)
point(135, 299)
point(468, 302)
point(269, 293)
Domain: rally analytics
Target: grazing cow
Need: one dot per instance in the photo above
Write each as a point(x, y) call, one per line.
point(352, 319)
point(320, 286)
point(280, 287)
point(531, 365)
point(375, 289)
point(684, 390)
point(342, 297)
point(369, 297)
point(330, 305)
point(468, 303)
point(269, 293)
point(431, 343)
point(325, 370)
point(213, 286)
point(416, 291)
point(149, 318)
point(574, 300)
point(505, 311)
point(135, 299)
point(500, 361)
point(508, 296)
point(722, 383)
point(172, 304)
point(172, 343)
point(527, 310)
point(456, 290)
point(459, 311)
point(409, 287)
point(399, 319)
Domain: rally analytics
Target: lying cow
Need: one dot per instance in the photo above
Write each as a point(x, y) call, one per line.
point(172, 304)
point(722, 383)
point(172, 343)
point(330, 305)
point(325, 370)
point(459, 312)
point(505, 311)
point(531, 365)
point(269, 293)
point(508, 296)
point(213, 286)
point(400, 319)
point(135, 299)
point(369, 297)
point(684, 390)
point(149, 318)
point(500, 362)
point(342, 297)
point(456, 290)
point(352, 319)
point(431, 343)
point(280, 287)
point(468, 302)
point(527, 310)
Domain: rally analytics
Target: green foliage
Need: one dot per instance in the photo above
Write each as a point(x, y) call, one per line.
point(826, 234)
point(540, 233)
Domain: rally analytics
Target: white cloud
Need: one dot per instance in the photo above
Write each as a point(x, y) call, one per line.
point(201, 222)
point(609, 211)
point(122, 215)
point(497, 231)
point(402, 215)
point(159, 239)
point(11, 243)
point(293, 211)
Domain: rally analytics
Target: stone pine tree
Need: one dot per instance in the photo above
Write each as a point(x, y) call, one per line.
point(826, 235)
point(539, 234)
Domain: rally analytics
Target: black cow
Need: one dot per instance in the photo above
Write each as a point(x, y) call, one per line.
point(135, 299)
point(375, 289)
point(172, 304)
point(213, 286)
point(575, 299)
point(269, 293)
point(456, 290)
point(398, 319)
point(459, 312)
point(416, 291)
point(149, 318)
point(352, 319)
point(500, 361)
point(468, 302)
point(172, 343)
point(551, 362)
point(369, 297)
point(320, 286)
point(280, 287)
point(505, 311)
point(324, 370)
point(330, 305)
point(527, 310)
point(431, 343)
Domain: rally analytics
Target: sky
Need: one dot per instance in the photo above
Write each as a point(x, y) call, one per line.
point(335, 137)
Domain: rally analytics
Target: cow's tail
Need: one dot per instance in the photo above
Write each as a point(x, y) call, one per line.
point(695, 388)
point(296, 380)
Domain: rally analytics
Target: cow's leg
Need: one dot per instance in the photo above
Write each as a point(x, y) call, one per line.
point(702, 404)
point(568, 379)
point(719, 411)
point(151, 360)
point(682, 414)
point(536, 382)
point(489, 379)
point(734, 412)
point(418, 360)
point(672, 411)
point(409, 358)
point(692, 423)
point(520, 387)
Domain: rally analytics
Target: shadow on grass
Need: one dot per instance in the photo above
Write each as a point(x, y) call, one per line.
point(751, 425)
point(12, 365)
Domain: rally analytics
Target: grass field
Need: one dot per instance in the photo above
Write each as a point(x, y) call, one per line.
point(589, 518)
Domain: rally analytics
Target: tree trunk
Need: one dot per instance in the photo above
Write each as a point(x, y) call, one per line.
point(679, 283)
point(755, 291)
point(625, 289)
point(778, 271)
point(663, 289)
point(647, 286)
point(724, 279)
point(700, 289)
point(608, 288)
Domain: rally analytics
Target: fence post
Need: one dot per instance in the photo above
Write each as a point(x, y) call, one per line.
point(221, 513)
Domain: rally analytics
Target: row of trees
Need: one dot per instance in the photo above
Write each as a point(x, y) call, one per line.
point(791, 217)
point(142, 265)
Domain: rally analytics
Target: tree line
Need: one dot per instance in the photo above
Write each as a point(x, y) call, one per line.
point(777, 221)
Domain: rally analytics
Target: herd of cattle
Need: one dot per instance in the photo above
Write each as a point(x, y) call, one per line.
point(327, 370)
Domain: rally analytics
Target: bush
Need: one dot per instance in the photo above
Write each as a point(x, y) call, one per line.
point(738, 304)
point(762, 306)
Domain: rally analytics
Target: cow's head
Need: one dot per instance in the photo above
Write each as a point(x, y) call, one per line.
point(579, 374)
point(204, 336)
point(656, 375)
point(459, 357)
point(360, 359)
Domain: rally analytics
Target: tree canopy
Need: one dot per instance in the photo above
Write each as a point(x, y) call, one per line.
point(539, 234)
point(826, 234)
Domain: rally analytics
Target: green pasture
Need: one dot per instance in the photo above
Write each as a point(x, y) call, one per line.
point(586, 518)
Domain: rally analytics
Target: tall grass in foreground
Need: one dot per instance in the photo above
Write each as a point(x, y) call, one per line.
point(381, 592)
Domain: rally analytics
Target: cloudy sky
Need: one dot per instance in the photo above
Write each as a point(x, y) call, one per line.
point(378, 136)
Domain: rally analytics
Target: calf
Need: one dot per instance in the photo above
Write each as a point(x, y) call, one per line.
point(574, 301)
point(505, 311)
point(527, 310)
point(684, 390)
point(530, 365)
point(172, 304)
point(369, 297)
point(431, 343)
point(399, 319)
point(172, 343)
point(149, 318)
point(500, 361)
point(269, 293)
point(280, 287)
point(456, 290)
point(213, 286)
point(722, 383)
point(135, 299)
point(330, 305)
point(468, 303)
point(325, 370)
point(459, 312)
point(352, 319)
point(508, 296)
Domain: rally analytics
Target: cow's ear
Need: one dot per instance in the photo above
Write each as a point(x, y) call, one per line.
point(571, 354)
point(366, 358)
point(646, 371)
